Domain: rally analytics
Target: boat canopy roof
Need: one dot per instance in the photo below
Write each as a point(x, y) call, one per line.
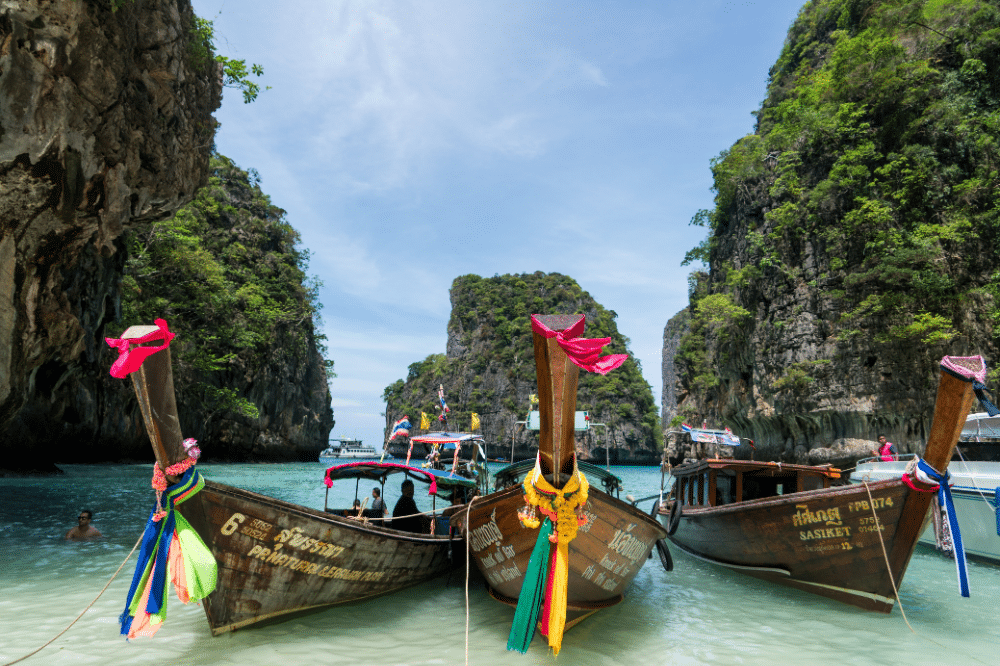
point(447, 438)
point(981, 426)
point(753, 467)
point(449, 441)
point(376, 471)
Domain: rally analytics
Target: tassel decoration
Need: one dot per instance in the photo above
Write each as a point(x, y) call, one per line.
point(170, 550)
point(546, 579)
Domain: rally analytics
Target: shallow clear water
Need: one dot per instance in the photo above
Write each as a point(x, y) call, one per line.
point(698, 614)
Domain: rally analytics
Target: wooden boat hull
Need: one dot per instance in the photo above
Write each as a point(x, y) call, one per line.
point(603, 558)
point(276, 558)
point(824, 541)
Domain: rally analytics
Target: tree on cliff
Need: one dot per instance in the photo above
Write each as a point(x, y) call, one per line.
point(870, 189)
point(227, 276)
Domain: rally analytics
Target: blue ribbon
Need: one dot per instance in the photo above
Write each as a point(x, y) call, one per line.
point(980, 390)
point(944, 500)
point(996, 504)
point(155, 546)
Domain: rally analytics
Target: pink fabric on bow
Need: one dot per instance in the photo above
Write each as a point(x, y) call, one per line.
point(583, 352)
point(130, 358)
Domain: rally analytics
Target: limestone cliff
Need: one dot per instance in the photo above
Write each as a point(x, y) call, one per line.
point(105, 124)
point(226, 273)
point(853, 241)
point(673, 393)
point(489, 369)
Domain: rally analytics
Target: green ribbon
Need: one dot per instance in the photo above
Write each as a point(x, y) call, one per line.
point(529, 602)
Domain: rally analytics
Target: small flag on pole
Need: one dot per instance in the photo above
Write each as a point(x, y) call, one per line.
point(401, 428)
point(443, 416)
point(475, 422)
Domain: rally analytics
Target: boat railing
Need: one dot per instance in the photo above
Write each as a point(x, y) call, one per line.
point(904, 457)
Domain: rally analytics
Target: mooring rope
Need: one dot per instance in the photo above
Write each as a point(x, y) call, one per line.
point(468, 516)
point(972, 477)
point(885, 554)
point(366, 519)
point(84, 610)
point(878, 530)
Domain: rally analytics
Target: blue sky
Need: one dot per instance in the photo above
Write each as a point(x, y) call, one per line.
point(414, 142)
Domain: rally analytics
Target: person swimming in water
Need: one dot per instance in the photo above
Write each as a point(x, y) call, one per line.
point(84, 530)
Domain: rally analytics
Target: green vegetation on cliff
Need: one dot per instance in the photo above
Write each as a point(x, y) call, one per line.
point(872, 179)
point(226, 275)
point(202, 47)
point(490, 366)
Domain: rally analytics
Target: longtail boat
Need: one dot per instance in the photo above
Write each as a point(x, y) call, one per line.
point(444, 450)
point(793, 525)
point(556, 546)
point(250, 557)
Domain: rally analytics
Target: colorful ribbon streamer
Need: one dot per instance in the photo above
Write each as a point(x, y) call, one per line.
point(944, 500)
point(980, 390)
point(533, 588)
point(170, 548)
point(130, 357)
point(996, 503)
point(562, 509)
point(582, 352)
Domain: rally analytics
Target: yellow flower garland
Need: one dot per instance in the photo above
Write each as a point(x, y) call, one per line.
point(563, 506)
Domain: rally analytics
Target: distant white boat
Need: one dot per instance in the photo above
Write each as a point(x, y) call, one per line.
point(976, 489)
point(345, 447)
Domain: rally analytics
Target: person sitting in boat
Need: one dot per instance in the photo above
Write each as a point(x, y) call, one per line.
point(404, 513)
point(84, 530)
point(886, 450)
point(378, 504)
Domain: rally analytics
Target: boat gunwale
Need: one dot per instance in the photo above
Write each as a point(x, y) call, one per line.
point(777, 500)
point(699, 466)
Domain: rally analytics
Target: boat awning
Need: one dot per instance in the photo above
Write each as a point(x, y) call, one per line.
point(448, 441)
point(981, 426)
point(376, 471)
point(447, 438)
point(706, 436)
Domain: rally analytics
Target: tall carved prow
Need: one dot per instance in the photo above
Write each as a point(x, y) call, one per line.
point(954, 399)
point(154, 389)
point(557, 384)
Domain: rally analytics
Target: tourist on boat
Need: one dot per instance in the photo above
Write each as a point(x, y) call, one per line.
point(886, 450)
point(377, 503)
point(84, 530)
point(406, 507)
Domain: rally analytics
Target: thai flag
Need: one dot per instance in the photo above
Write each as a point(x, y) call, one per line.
point(401, 428)
point(685, 427)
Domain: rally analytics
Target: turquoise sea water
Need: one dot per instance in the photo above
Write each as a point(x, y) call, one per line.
point(698, 614)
